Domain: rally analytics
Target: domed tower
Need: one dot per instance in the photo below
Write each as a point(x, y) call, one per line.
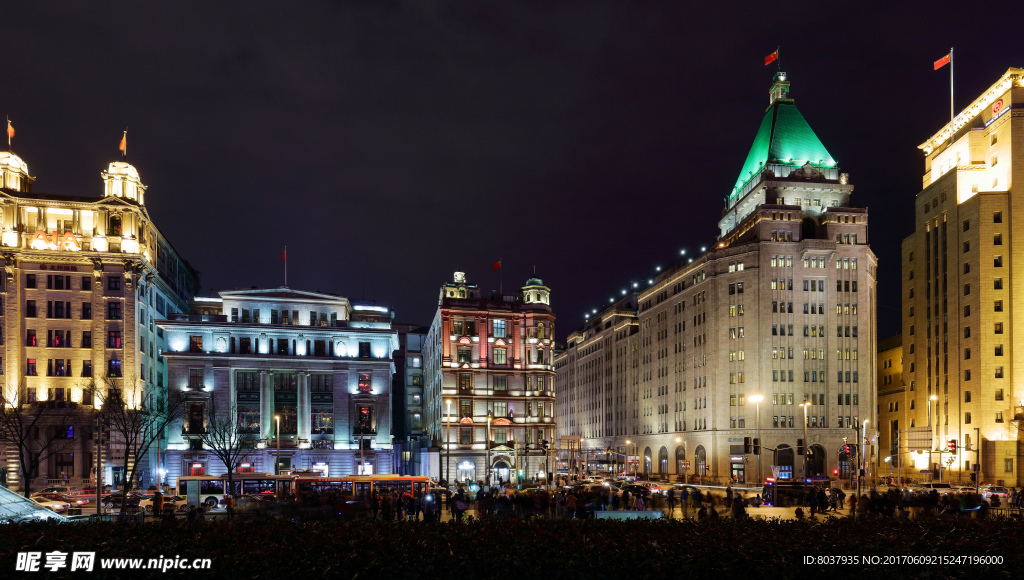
point(535, 292)
point(14, 173)
point(121, 179)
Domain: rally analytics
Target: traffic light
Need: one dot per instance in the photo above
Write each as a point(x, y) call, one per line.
point(952, 445)
point(799, 446)
point(757, 446)
point(846, 449)
point(835, 472)
point(746, 445)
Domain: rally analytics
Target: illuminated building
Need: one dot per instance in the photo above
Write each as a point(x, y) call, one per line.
point(781, 308)
point(412, 448)
point(593, 380)
point(490, 356)
point(958, 301)
point(892, 410)
point(86, 278)
point(322, 365)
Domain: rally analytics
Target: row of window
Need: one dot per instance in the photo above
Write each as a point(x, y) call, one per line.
point(784, 376)
point(59, 282)
point(62, 339)
point(58, 309)
point(62, 368)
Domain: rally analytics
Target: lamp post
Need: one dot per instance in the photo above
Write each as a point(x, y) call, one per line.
point(277, 460)
point(807, 447)
point(487, 472)
point(757, 403)
point(631, 447)
point(863, 457)
point(448, 444)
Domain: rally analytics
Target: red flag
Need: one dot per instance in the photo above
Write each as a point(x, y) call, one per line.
point(284, 255)
point(10, 130)
point(771, 57)
point(943, 61)
point(497, 265)
point(124, 141)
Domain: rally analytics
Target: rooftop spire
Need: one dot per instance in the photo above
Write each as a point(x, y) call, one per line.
point(780, 88)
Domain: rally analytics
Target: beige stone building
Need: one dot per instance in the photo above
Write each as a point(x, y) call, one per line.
point(595, 376)
point(959, 325)
point(86, 278)
point(782, 308)
point(490, 381)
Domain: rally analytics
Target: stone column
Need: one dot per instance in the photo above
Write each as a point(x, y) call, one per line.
point(303, 407)
point(267, 404)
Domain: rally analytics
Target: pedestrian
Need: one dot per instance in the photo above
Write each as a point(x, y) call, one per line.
point(822, 500)
point(812, 501)
point(739, 511)
point(200, 515)
point(671, 502)
point(684, 499)
point(190, 515)
point(728, 496)
point(640, 505)
point(615, 502)
point(231, 506)
point(374, 505)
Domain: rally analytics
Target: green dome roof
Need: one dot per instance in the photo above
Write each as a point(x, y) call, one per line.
point(534, 282)
point(785, 138)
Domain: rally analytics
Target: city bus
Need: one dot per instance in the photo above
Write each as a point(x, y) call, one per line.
point(362, 486)
point(212, 488)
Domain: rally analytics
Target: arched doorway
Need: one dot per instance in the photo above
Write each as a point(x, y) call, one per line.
point(816, 460)
point(680, 458)
point(648, 468)
point(502, 472)
point(700, 461)
point(663, 461)
point(784, 461)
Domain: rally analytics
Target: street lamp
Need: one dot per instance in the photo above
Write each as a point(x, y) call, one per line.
point(757, 403)
point(863, 456)
point(448, 444)
point(632, 446)
point(807, 448)
point(277, 460)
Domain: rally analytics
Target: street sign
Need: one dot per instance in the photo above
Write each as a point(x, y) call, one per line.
point(820, 478)
point(926, 471)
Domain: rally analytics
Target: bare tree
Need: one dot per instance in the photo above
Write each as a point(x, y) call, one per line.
point(37, 430)
point(227, 440)
point(137, 416)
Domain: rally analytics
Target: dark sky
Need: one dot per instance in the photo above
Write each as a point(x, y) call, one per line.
point(388, 144)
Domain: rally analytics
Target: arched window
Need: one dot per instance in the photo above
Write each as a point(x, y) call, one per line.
point(648, 468)
point(700, 461)
point(115, 225)
point(680, 457)
point(663, 461)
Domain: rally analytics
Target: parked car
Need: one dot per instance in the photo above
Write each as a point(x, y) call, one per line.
point(70, 499)
point(54, 506)
point(653, 487)
point(115, 499)
point(61, 489)
point(994, 490)
point(635, 489)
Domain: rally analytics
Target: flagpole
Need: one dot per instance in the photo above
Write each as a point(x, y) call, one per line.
point(286, 266)
point(778, 59)
point(951, 130)
point(501, 288)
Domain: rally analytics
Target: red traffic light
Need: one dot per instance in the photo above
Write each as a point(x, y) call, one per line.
point(835, 472)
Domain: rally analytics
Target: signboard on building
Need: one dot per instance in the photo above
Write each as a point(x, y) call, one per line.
point(919, 438)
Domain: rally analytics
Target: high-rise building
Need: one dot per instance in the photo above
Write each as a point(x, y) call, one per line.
point(489, 372)
point(305, 372)
point(86, 280)
point(412, 448)
point(958, 305)
point(777, 317)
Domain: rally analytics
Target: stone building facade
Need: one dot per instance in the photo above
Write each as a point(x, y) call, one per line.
point(320, 364)
point(489, 373)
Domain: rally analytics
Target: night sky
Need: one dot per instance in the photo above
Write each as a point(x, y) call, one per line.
point(388, 144)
